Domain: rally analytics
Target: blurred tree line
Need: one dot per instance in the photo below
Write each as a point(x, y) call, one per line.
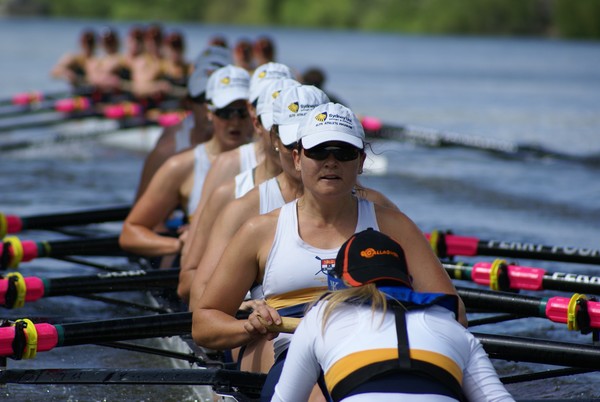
point(560, 18)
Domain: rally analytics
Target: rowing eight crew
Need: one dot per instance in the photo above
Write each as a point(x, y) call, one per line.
point(278, 249)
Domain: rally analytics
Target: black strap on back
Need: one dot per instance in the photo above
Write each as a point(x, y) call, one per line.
point(403, 364)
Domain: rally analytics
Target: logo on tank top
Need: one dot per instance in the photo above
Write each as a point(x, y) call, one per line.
point(327, 264)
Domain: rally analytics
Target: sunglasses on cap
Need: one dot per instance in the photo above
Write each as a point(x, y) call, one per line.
point(229, 112)
point(342, 153)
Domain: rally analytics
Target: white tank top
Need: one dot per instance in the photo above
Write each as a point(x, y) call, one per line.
point(182, 136)
point(201, 167)
point(247, 157)
point(244, 182)
point(270, 196)
point(293, 271)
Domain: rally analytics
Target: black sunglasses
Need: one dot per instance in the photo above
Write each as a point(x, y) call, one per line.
point(229, 113)
point(341, 153)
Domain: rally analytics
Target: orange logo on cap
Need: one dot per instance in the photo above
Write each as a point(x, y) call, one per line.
point(293, 107)
point(262, 74)
point(225, 80)
point(371, 252)
point(321, 116)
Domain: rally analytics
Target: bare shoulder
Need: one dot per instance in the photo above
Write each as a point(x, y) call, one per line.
point(180, 161)
point(226, 158)
point(245, 207)
point(376, 197)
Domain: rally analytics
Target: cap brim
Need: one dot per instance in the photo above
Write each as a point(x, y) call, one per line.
point(197, 83)
point(375, 273)
point(224, 98)
point(288, 133)
point(315, 139)
point(267, 120)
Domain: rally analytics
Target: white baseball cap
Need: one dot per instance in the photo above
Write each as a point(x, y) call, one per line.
point(270, 91)
point(226, 85)
point(331, 122)
point(264, 72)
point(291, 106)
point(211, 59)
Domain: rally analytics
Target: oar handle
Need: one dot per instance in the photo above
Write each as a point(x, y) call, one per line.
point(288, 325)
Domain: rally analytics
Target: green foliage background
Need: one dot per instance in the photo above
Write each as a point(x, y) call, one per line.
point(562, 18)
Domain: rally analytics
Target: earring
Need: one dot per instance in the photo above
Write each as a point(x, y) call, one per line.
point(276, 149)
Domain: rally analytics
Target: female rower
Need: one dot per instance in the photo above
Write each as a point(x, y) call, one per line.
point(74, 67)
point(175, 69)
point(107, 71)
point(227, 165)
point(378, 339)
point(196, 127)
point(285, 250)
point(178, 180)
point(242, 55)
point(202, 222)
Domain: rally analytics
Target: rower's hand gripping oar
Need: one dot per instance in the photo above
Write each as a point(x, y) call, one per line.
point(450, 245)
point(23, 339)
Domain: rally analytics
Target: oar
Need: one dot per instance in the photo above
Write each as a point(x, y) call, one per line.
point(450, 245)
point(66, 105)
point(82, 108)
point(15, 250)
point(577, 312)
point(44, 337)
point(499, 275)
point(26, 98)
point(104, 128)
point(245, 383)
point(15, 289)
point(438, 138)
point(24, 339)
point(50, 120)
point(16, 224)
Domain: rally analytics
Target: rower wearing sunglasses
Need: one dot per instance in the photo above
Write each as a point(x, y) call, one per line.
point(201, 226)
point(179, 180)
point(227, 165)
point(287, 249)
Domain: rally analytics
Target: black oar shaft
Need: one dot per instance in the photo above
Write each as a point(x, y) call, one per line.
point(517, 304)
point(538, 252)
point(75, 218)
point(105, 246)
point(125, 329)
point(112, 282)
point(540, 351)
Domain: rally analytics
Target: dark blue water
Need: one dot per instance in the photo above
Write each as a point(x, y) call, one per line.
point(526, 91)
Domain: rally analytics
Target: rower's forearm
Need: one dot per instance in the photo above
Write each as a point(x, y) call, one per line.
point(186, 276)
point(215, 329)
point(145, 242)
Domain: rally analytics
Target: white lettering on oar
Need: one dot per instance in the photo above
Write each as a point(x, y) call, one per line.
point(584, 252)
point(505, 245)
point(122, 274)
point(539, 248)
point(576, 278)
